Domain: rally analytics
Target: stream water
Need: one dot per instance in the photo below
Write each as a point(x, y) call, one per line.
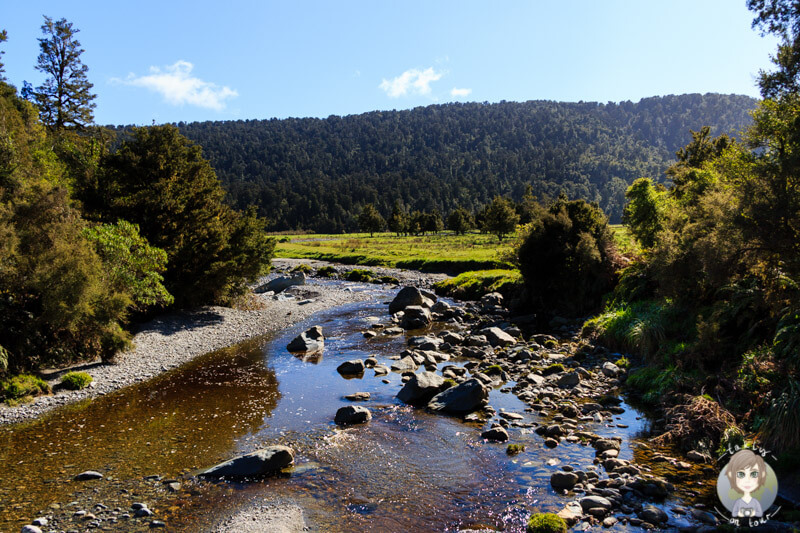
point(406, 470)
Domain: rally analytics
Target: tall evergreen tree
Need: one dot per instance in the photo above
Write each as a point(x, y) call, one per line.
point(65, 100)
point(3, 38)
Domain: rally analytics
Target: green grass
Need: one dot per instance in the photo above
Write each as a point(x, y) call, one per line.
point(22, 386)
point(625, 241)
point(474, 284)
point(76, 380)
point(430, 253)
point(361, 275)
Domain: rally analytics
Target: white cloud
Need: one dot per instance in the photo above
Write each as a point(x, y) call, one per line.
point(176, 84)
point(413, 81)
point(460, 93)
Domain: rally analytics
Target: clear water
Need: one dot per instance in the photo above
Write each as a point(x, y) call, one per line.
point(406, 470)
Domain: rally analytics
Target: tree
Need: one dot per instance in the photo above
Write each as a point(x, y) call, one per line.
point(398, 222)
point(64, 99)
point(3, 38)
point(433, 222)
point(642, 213)
point(370, 220)
point(159, 180)
point(501, 217)
point(460, 221)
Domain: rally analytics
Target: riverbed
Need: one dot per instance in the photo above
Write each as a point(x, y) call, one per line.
point(406, 470)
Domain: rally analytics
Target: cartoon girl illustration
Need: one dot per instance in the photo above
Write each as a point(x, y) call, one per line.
point(747, 473)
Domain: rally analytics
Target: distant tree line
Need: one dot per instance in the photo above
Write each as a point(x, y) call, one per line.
point(318, 174)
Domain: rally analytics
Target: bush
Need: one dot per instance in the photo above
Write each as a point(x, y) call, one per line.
point(24, 385)
point(76, 380)
point(568, 259)
point(546, 523)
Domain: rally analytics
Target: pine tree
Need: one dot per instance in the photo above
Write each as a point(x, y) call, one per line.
point(3, 38)
point(64, 99)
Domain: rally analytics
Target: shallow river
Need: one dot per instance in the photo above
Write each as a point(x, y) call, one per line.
point(406, 470)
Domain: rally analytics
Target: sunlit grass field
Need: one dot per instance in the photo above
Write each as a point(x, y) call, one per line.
point(442, 252)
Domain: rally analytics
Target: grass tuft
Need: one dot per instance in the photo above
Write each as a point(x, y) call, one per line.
point(76, 380)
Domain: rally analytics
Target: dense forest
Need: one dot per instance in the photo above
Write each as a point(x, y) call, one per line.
point(317, 174)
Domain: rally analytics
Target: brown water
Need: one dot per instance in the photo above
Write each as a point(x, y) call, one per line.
point(406, 470)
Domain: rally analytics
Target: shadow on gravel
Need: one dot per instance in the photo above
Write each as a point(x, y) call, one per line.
point(172, 324)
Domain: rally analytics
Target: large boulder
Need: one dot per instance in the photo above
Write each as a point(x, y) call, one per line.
point(311, 340)
point(497, 337)
point(258, 463)
point(406, 364)
point(495, 434)
point(406, 297)
point(610, 369)
point(416, 317)
point(563, 480)
point(568, 380)
point(282, 283)
point(595, 502)
point(352, 414)
point(421, 388)
point(464, 398)
point(653, 515)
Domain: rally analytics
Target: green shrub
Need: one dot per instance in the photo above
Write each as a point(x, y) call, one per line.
point(623, 362)
point(304, 268)
point(361, 275)
point(284, 240)
point(76, 380)
point(651, 383)
point(514, 449)
point(546, 523)
point(781, 429)
point(24, 385)
point(326, 272)
point(568, 258)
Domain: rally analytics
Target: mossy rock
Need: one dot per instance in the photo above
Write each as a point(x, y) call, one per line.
point(493, 370)
point(555, 368)
point(76, 380)
point(360, 275)
point(389, 280)
point(546, 523)
point(304, 268)
point(514, 449)
point(550, 343)
point(326, 272)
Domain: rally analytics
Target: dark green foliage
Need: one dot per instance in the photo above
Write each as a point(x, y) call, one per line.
point(389, 280)
point(160, 181)
point(546, 523)
point(460, 221)
point(76, 380)
point(568, 259)
point(64, 99)
point(501, 217)
point(399, 221)
point(318, 173)
point(3, 38)
point(23, 385)
point(370, 220)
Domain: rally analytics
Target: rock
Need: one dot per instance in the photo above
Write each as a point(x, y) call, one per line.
point(569, 380)
point(381, 370)
point(441, 307)
point(88, 476)
point(369, 334)
point(393, 331)
point(358, 397)
point(571, 513)
point(477, 341)
point(550, 442)
point(258, 463)
point(143, 512)
point(415, 317)
point(537, 379)
point(491, 300)
point(30, 529)
point(453, 339)
point(281, 283)
point(352, 414)
point(406, 364)
point(41, 521)
point(497, 337)
point(563, 480)
point(704, 517)
point(696, 456)
point(408, 296)
point(421, 388)
point(464, 398)
point(370, 362)
point(602, 445)
point(311, 340)
point(157, 524)
point(595, 502)
point(352, 367)
point(174, 486)
point(610, 369)
point(653, 514)
point(610, 521)
point(497, 434)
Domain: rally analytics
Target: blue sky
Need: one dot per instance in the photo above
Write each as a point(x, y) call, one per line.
point(176, 60)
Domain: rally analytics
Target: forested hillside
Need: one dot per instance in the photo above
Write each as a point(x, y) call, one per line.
point(317, 174)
